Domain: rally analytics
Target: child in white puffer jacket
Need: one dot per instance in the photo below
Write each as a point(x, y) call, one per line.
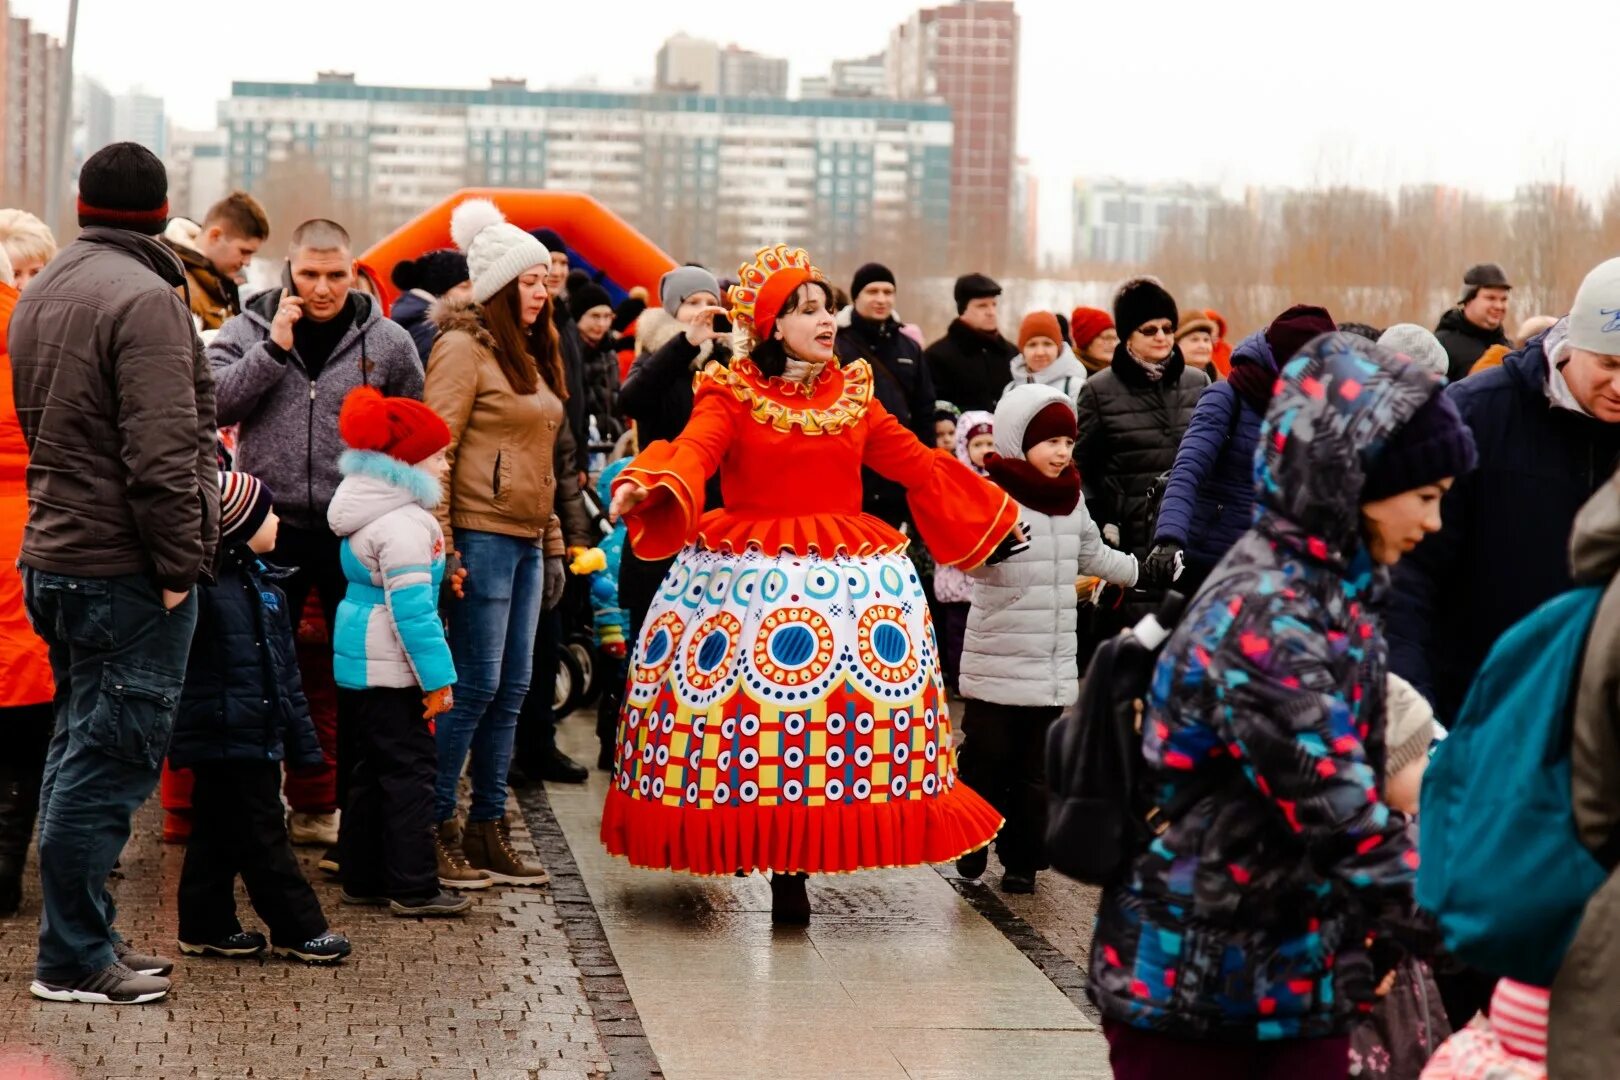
point(1019, 665)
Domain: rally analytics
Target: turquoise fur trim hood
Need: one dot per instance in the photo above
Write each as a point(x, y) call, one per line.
point(425, 490)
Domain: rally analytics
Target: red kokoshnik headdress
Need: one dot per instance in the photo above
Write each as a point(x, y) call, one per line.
point(763, 286)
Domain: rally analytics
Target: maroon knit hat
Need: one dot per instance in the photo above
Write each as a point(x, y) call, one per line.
point(1296, 328)
point(1055, 420)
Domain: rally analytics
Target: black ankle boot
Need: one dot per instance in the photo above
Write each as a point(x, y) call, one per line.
point(790, 902)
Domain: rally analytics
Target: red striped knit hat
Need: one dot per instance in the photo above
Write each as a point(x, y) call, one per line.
point(244, 503)
point(1519, 1018)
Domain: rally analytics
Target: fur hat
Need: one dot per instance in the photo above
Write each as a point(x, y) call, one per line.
point(1418, 345)
point(1085, 323)
point(436, 272)
point(1432, 445)
point(124, 186)
point(1140, 301)
point(684, 281)
point(1193, 322)
point(244, 503)
point(1408, 725)
point(1039, 324)
point(403, 428)
point(970, 287)
point(497, 252)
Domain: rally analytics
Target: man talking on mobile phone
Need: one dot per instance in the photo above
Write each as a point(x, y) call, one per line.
point(282, 369)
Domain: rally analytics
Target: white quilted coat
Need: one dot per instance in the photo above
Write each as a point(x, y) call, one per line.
point(1020, 647)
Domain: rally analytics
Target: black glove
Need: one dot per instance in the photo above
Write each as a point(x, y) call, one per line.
point(1011, 544)
point(1356, 979)
point(1159, 570)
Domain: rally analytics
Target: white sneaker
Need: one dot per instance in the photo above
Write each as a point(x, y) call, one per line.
point(313, 830)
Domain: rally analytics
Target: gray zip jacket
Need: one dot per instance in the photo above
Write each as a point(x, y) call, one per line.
point(288, 424)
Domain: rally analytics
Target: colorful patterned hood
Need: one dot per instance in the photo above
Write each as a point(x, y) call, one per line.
point(1341, 393)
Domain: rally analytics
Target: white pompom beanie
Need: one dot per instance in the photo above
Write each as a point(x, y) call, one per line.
point(497, 251)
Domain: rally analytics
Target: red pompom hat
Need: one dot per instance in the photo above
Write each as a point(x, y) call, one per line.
point(402, 428)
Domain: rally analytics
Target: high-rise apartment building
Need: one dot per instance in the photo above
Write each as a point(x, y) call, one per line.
point(32, 100)
point(967, 54)
point(1120, 222)
point(698, 66)
point(197, 171)
point(708, 177)
point(867, 76)
point(688, 64)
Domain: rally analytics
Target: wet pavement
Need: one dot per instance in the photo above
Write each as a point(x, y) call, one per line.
point(611, 972)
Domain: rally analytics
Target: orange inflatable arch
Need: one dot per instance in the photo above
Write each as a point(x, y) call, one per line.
point(598, 235)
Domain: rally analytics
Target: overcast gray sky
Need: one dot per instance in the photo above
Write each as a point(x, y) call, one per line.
point(1482, 95)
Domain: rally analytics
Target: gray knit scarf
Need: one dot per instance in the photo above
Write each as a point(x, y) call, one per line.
point(1154, 372)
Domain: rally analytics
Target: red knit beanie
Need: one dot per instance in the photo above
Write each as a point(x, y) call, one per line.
point(1055, 420)
point(1040, 324)
point(402, 428)
point(1085, 323)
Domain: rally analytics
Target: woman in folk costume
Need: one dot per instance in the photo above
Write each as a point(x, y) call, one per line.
point(785, 710)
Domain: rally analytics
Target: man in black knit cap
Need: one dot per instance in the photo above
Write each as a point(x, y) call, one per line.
point(972, 364)
point(117, 407)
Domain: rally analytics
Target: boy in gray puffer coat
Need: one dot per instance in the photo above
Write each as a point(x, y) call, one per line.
point(1019, 667)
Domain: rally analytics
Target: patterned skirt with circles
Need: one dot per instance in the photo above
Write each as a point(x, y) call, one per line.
point(787, 713)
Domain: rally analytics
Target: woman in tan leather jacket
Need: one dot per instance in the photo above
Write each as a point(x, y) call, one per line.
point(495, 375)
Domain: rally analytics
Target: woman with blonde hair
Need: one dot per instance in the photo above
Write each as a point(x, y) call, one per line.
point(29, 245)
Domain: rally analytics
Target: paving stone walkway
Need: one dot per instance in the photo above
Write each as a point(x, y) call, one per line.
point(492, 996)
point(609, 973)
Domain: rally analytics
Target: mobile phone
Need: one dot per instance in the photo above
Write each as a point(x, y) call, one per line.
point(722, 324)
point(287, 278)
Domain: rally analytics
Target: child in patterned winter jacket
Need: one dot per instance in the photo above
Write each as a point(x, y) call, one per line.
point(953, 588)
point(390, 646)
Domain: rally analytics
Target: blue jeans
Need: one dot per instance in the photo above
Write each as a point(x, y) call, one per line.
point(120, 660)
point(492, 640)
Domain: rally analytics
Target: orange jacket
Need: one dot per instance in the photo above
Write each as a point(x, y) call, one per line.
point(25, 666)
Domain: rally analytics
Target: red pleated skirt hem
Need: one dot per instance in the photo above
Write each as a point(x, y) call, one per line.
point(794, 839)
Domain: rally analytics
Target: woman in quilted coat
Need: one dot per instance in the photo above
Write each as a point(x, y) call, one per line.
point(1237, 945)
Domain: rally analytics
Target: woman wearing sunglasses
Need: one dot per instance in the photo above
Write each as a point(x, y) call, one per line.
point(1132, 417)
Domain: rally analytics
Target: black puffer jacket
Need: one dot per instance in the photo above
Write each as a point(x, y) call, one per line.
point(1130, 427)
point(600, 368)
point(243, 700)
point(970, 370)
point(657, 391)
point(1464, 342)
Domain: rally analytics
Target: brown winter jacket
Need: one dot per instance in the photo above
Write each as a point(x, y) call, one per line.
point(213, 297)
point(117, 406)
point(502, 477)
